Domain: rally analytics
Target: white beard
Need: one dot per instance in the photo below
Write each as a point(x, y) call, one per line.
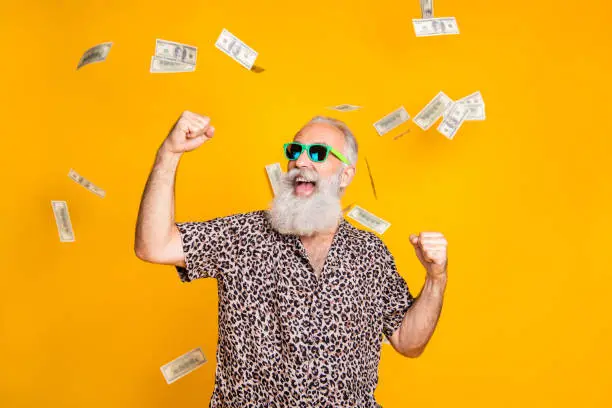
point(304, 216)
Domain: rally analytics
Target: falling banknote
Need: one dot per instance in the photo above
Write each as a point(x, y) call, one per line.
point(97, 53)
point(164, 66)
point(435, 26)
point(453, 120)
point(432, 111)
point(274, 175)
point(426, 8)
point(368, 219)
point(476, 106)
point(371, 179)
point(345, 108)
point(183, 365)
point(173, 51)
point(391, 121)
point(401, 134)
point(62, 220)
point(239, 51)
point(86, 183)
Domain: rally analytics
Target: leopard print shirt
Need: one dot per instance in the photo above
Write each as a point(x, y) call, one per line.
point(287, 338)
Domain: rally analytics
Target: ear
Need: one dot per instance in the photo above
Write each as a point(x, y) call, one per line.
point(347, 176)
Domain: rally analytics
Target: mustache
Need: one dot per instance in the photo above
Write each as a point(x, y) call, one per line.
point(308, 174)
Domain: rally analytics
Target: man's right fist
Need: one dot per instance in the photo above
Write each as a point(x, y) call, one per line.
point(188, 133)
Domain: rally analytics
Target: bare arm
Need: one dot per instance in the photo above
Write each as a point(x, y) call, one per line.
point(420, 320)
point(157, 238)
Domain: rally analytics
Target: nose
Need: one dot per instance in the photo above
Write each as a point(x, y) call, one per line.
point(303, 160)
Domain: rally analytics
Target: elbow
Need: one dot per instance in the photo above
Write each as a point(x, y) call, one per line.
point(413, 352)
point(142, 252)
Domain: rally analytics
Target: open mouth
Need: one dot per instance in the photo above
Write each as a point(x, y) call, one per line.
point(304, 186)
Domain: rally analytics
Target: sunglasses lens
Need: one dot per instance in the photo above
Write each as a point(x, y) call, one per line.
point(293, 151)
point(317, 153)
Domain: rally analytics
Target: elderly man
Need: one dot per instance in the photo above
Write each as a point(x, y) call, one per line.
point(304, 296)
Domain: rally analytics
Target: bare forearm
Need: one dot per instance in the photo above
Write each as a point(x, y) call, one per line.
point(156, 213)
point(421, 319)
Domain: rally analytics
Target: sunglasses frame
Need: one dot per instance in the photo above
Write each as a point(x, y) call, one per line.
point(306, 147)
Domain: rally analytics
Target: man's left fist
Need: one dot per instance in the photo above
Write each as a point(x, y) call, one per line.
point(430, 248)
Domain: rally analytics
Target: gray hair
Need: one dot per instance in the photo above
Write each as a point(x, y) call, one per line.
point(350, 143)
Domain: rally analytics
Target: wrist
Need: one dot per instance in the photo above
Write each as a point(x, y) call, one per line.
point(165, 155)
point(436, 283)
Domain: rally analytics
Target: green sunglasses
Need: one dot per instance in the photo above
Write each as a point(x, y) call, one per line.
point(317, 152)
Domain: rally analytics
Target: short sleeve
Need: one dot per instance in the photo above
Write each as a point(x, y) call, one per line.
point(208, 247)
point(396, 296)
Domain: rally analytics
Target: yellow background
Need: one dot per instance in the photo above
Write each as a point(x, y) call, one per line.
point(523, 198)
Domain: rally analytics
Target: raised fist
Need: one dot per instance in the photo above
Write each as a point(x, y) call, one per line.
point(188, 133)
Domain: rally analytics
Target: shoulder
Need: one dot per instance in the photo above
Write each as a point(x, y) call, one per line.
point(252, 217)
point(364, 239)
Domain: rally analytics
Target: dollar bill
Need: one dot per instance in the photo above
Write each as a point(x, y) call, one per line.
point(476, 106)
point(164, 66)
point(274, 175)
point(435, 26)
point(432, 111)
point(183, 365)
point(173, 51)
point(426, 8)
point(453, 120)
point(368, 219)
point(401, 134)
point(62, 220)
point(371, 179)
point(391, 121)
point(472, 99)
point(239, 51)
point(475, 112)
point(345, 108)
point(96, 53)
point(86, 183)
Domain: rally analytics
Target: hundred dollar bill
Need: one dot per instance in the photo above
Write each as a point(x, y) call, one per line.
point(183, 365)
point(453, 120)
point(345, 108)
point(476, 106)
point(368, 219)
point(472, 99)
point(62, 220)
point(371, 179)
point(391, 121)
point(435, 26)
point(426, 8)
point(432, 111)
point(164, 66)
point(401, 134)
point(97, 53)
point(173, 51)
point(475, 112)
point(86, 183)
point(239, 51)
point(274, 175)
